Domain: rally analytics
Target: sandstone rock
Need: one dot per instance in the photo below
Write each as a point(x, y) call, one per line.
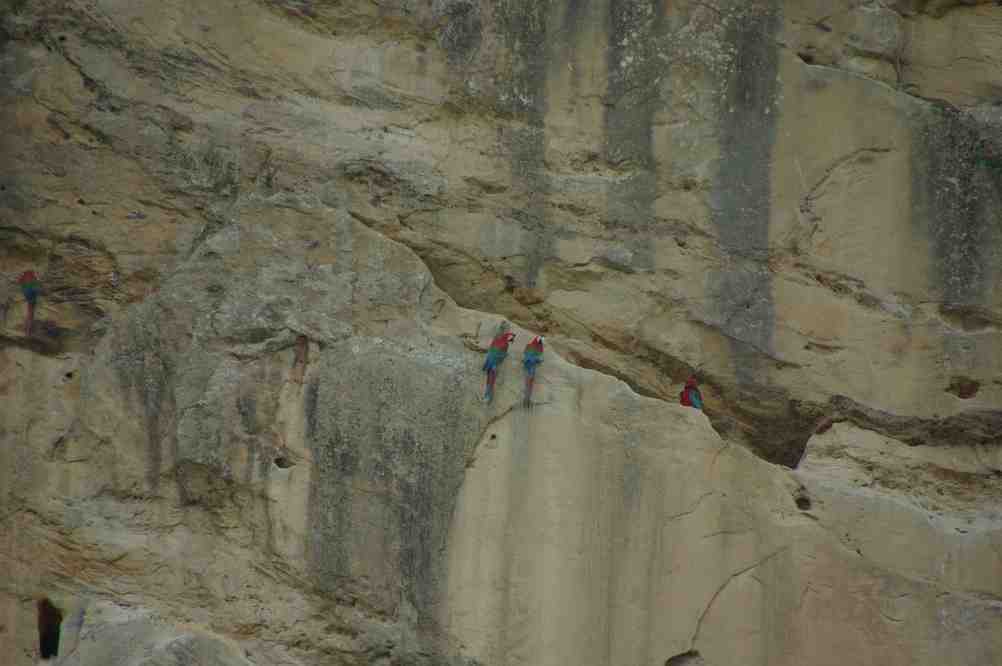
point(276, 236)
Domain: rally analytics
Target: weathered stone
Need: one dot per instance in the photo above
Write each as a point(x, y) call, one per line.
point(276, 236)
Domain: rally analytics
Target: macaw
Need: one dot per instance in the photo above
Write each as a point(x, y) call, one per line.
point(31, 288)
point(495, 357)
point(531, 358)
point(690, 396)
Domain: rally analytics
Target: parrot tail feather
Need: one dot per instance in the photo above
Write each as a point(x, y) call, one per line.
point(492, 376)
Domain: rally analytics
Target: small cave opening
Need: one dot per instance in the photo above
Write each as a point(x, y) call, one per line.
point(690, 658)
point(802, 498)
point(50, 620)
point(282, 462)
point(964, 387)
point(806, 58)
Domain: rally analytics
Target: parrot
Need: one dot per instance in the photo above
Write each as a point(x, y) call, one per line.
point(495, 357)
point(690, 396)
point(531, 358)
point(31, 288)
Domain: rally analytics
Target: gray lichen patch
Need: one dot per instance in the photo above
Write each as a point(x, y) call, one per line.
point(390, 431)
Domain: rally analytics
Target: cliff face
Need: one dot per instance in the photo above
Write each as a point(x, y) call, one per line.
point(276, 236)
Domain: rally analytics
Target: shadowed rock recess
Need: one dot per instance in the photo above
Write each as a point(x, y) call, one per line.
point(276, 237)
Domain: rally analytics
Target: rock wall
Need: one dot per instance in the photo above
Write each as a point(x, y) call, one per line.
point(276, 236)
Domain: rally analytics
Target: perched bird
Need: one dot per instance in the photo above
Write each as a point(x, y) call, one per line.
point(31, 288)
point(531, 358)
point(496, 355)
point(690, 395)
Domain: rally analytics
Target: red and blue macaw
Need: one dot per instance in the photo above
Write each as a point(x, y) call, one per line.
point(496, 355)
point(690, 395)
point(31, 288)
point(531, 358)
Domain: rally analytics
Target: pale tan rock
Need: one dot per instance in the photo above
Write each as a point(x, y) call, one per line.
point(276, 238)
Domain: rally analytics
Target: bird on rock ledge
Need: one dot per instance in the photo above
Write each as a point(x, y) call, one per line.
point(496, 355)
point(31, 288)
point(532, 357)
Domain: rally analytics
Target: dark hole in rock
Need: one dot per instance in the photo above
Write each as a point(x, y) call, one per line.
point(494, 436)
point(62, 38)
point(807, 58)
point(803, 502)
point(824, 426)
point(283, 462)
point(690, 658)
point(963, 387)
point(68, 375)
point(49, 620)
point(93, 212)
point(81, 202)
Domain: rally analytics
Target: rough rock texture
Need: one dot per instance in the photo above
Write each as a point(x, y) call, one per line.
point(276, 236)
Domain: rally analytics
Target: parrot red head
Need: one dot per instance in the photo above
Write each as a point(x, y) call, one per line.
point(502, 341)
point(691, 381)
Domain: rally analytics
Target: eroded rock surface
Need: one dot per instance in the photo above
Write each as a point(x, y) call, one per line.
point(276, 236)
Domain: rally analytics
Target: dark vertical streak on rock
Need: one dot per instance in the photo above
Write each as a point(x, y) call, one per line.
point(264, 470)
point(634, 69)
point(461, 33)
point(523, 24)
point(326, 556)
point(741, 197)
point(420, 536)
point(141, 361)
point(335, 462)
point(955, 205)
point(949, 192)
point(389, 457)
point(574, 14)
